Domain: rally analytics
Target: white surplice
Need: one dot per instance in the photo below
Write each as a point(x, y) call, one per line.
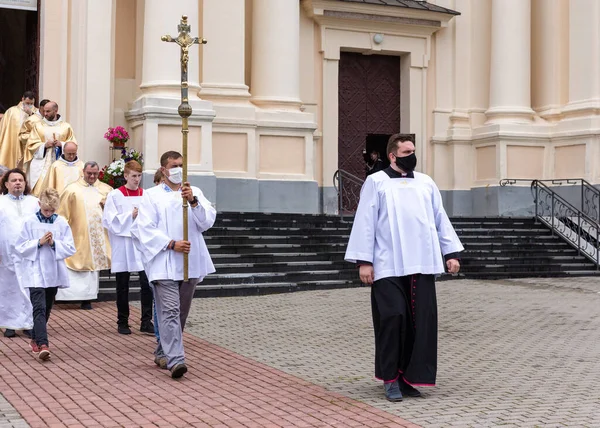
point(401, 227)
point(43, 267)
point(15, 308)
point(118, 219)
point(159, 221)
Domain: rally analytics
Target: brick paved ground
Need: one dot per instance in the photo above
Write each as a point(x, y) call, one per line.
point(99, 378)
point(511, 353)
point(9, 417)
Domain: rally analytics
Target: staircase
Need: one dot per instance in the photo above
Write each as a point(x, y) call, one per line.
point(257, 253)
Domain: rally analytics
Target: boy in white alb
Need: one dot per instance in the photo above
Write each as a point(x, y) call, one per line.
point(43, 245)
point(120, 211)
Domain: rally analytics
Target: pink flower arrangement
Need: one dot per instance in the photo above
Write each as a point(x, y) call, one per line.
point(117, 135)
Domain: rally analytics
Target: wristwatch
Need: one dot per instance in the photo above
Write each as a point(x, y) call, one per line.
point(195, 201)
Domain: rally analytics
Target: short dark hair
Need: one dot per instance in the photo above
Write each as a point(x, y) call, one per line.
point(44, 102)
point(164, 159)
point(4, 188)
point(395, 139)
point(29, 94)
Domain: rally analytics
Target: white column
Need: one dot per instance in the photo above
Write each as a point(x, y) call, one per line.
point(510, 73)
point(223, 61)
point(89, 105)
point(161, 68)
point(584, 57)
point(276, 53)
point(549, 68)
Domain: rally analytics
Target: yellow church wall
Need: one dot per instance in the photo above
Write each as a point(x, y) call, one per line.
point(169, 138)
point(485, 163)
point(230, 152)
point(282, 154)
point(525, 161)
point(125, 39)
point(569, 161)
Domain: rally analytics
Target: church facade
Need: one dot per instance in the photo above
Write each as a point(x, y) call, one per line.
point(286, 92)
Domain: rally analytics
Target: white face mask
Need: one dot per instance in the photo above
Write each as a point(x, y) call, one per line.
point(176, 175)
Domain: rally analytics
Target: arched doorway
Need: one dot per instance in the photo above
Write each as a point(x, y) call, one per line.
point(19, 50)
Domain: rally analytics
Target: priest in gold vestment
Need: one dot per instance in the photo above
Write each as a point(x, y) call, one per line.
point(27, 127)
point(11, 151)
point(81, 205)
point(66, 170)
point(47, 138)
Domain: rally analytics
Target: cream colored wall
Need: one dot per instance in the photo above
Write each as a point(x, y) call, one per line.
point(282, 155)
point(446, 85)
point(230, 152)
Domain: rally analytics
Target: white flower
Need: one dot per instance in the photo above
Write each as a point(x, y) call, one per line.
point(116, 167)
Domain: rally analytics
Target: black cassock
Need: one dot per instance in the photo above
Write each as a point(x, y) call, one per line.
point(405, 324)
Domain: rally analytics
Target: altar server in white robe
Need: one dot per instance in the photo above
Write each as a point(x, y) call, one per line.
point(15, 204)
point(158, 233)
point(43, 245)
point(120, 211)
point(400, 238)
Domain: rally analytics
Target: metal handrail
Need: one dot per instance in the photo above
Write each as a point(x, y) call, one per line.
point(348, 187)
point(590, 195)
point(575, 226)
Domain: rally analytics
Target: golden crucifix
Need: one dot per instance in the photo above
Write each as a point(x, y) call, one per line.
point(184, 40)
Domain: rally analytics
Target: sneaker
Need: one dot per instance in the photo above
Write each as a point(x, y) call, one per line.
point(44, 354)
point(147, 328)
point(392, 391)
point(161, 362)
point(10, 333)
point(408, 389)
point(124, 329)
point(178, 370)
point(34, 347)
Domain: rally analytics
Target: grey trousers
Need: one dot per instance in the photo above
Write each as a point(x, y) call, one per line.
point(173, 300)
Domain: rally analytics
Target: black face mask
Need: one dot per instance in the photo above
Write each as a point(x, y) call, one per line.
point(407, 163)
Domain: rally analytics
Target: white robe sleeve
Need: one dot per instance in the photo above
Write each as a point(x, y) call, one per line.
point(64, 245)
point(204, 214)
point(449, 242)
point(25, 246)
point(39, 154)
point(148, 238)
point(114, 218)
point(361, 245)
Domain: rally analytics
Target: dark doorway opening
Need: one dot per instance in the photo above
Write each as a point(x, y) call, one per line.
point(369, 107)
point(19, 55)
point(378, 142)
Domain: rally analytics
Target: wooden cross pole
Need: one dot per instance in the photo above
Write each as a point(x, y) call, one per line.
point(184, 40)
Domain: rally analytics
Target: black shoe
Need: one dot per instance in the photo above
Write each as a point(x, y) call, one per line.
point(178, 370)
point(87, 306)
point(392, 391)
point(408, 390)
point(27, 333)
point(10, 333)
point(147, 327)
point(124, 329)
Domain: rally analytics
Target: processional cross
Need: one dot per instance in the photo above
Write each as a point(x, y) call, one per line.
point(184, 40)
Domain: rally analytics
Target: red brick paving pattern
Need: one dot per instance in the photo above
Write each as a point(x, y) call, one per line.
point(98, 378)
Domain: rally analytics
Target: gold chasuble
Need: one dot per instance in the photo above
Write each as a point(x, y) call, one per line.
point(11, 151)
point(25, 133)
point(61, 174)
point(37, 160)
point(80, 206)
